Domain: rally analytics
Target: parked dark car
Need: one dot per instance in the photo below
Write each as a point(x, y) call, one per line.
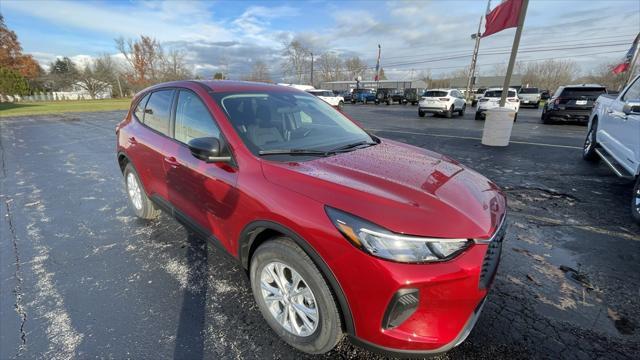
point(545, 95)
point(389, 96)
point(363, 95)
point(346, 95)
point(572, 103)
point(339, 231)
point(412, 95)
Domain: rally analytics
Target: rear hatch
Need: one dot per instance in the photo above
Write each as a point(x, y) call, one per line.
point(529, 95)
point(579, 98)
point(434, 98)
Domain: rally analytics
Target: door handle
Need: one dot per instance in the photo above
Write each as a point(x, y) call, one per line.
point(132, 140)
point(171, 161)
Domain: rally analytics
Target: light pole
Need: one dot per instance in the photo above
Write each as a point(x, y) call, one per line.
point(311, 69)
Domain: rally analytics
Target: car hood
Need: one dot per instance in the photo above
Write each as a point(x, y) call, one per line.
point(405, 189)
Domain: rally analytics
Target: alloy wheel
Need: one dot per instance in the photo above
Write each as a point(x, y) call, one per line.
point(289, 299)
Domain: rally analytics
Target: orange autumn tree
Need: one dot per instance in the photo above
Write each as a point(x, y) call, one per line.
point(11, 55)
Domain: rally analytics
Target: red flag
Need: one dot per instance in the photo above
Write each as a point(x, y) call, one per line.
point(504, 16)
point(626, 63)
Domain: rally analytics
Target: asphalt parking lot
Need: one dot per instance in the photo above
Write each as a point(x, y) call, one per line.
point(82, 277)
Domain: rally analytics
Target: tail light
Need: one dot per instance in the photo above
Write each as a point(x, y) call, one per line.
point(443, 99)
point(483, 100)
point(513, 100)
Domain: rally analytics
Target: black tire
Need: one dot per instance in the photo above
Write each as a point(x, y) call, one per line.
point(340, 105)
point(461, 112)
point(635, 201)
point(388, 102)
point(590, 144)
point(474, 103)
point(515, 117)
point(147, 209)
point(545, 117)
point(421, 113)
point(478, 115)
point(449, 113)
point(329, 328)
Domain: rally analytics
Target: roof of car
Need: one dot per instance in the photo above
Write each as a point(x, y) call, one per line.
point(583, 85)
point(317, 90)
point(499, 89)
point(226, 86)
point(442, 89)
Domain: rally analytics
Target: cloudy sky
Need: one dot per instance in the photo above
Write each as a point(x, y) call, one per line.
point(415, 36)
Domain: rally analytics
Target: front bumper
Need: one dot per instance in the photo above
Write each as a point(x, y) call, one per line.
point(451, 297)
point(569, 115)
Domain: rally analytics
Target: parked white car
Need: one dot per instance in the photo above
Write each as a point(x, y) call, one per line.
point(491, 99)
point(328, 96)
point(530, 96)
point(612, 136)
point(442, 101)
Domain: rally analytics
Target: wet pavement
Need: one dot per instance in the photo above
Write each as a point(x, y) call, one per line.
point(82, 277)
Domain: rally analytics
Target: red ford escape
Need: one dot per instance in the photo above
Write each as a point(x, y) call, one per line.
point(339, 230)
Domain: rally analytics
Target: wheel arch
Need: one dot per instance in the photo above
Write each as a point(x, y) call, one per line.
point(261, 231)
point(123, 160)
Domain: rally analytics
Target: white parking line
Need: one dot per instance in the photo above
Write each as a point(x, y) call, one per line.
point(476, 138)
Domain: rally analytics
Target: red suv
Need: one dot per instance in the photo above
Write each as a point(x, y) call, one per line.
point(340, 231)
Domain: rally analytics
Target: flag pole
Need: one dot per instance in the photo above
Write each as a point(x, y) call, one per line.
point(514, 52)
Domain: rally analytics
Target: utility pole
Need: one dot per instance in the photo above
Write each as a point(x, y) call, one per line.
point(514, 52)
point(474, 57)
point(311, 69)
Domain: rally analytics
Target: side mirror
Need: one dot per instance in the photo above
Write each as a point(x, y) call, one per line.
point(207, 149)
point(631, 107)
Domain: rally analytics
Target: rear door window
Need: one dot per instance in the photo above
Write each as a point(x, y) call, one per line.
point(157, 113)
point(634, 92)
point(193, 120)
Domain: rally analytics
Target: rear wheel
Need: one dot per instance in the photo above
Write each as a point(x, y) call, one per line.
point(421, 113)
point(294, 298)
point(138, 199)
point(449, 113)
point(461, 112)
point(478, 115)
point(590, 143)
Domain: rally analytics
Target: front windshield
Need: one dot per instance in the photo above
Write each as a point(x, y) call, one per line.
point(285, 121)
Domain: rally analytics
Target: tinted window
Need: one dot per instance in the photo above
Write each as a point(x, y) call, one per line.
point(634, 92)
point(582, 92)
point(193, 120)
point(498, 93)
point(435, 93)
point(274, 120)
point(158, 111)
point(139, 111)
point(529, 91)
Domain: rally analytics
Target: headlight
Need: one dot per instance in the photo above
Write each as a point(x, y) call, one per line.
point(385, 244)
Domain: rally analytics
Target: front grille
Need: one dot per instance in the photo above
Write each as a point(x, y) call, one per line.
point(492, 257)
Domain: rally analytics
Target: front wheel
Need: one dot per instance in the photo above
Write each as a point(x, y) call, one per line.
point(461, 112)
point(340, 105)
point(590, 143)
point(293, 297)
point(421, 113)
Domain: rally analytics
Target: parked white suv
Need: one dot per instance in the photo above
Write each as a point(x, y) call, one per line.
point(329, 97)
point(613, 136)
point(442, 101)
point(491, 99)
point(530, 96)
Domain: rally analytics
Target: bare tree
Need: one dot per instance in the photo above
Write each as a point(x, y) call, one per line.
point(259, 72)
point(425, 76)
point(143, 56)
point(604, 75)
point(331, 67)
point(355, 67)
point(550, 74)
point(297, 61)
point(174, 66)
point(88, 81)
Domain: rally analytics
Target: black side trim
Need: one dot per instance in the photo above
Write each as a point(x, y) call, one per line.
point(249, 234)
point(188, 222)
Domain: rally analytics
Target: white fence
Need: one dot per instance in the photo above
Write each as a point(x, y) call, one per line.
point(54, 96)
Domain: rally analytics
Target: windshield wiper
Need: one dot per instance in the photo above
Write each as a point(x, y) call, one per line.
point(303, 152)
point(352, 146)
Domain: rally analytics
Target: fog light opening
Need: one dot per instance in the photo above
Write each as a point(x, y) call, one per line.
point(403, 304)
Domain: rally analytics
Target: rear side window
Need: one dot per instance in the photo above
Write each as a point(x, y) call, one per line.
point(139, 111)
point(582, 93)
point(193, 120)
point(157, 113)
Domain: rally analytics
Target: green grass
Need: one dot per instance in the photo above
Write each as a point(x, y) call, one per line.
point(57, 107)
